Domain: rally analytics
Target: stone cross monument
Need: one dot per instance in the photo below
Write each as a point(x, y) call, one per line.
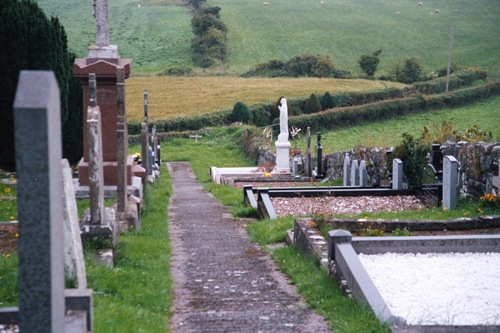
point(283, 145)
point(102, 49)
point(103, 60)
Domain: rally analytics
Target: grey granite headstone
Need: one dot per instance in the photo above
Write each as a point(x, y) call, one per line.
point(37, 134)
point(153, 137)
point(144, 147)
point(150, 161)
point(363, 175)
point(450, 179)
point(354, 173)
point(397, 174)
point(347, 171)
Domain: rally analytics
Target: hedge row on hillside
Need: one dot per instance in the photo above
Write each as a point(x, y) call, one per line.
point(458, 80)
point(348, 116)
point(264, 113)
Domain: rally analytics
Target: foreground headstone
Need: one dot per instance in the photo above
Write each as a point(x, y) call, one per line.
point(450, 179)
point(397, 174)
point(37, 128)
point(319, 157)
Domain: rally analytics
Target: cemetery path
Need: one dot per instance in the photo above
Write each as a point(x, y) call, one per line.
point(223, 281)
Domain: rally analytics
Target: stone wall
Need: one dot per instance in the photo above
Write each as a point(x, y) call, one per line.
point(478, 162)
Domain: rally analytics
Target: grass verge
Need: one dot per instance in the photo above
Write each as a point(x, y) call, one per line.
point(323, 294)
point(135, 295)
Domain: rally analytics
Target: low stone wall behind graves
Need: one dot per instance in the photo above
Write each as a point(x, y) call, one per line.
point(478, 162)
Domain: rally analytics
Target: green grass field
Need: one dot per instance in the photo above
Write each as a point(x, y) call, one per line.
point(155, 35)
point(346, 29)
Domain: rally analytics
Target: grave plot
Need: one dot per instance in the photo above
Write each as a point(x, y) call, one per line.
point(414, 284)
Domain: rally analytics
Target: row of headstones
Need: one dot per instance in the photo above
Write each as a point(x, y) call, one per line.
point(150, 145)
point(47, 250)
point(355, 175)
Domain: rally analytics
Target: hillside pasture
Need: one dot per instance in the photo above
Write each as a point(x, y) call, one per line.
point(346, 29)
point(155, 34)
point(172, 97)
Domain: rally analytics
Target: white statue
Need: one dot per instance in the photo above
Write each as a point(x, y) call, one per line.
point(282, 105)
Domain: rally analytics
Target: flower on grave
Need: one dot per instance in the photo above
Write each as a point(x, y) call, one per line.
point(11, 217)
point(294, 132)
point(16, 235)
point(266, 174)
point(7, 255)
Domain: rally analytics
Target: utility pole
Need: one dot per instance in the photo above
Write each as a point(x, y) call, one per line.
point(449, 61)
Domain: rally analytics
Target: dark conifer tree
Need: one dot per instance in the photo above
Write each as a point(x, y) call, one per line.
point(31, 41)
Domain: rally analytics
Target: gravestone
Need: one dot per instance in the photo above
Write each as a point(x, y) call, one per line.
point(450, 180)
point(283, 145)
point(94, 144)
point(495, 180)
point(74, 264)
point(41, 270)
point(319, 157)
point(150, 161)
point(347, 171)
point(122, 143)
point(146, 113)
point(103, 60)
point(154, 145)
point(363, 175)
point(397, 174)
point(98, 222)
point(354, 173)
point(144, 147)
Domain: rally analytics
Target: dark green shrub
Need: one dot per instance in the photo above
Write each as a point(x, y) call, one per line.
point(409, 70)
point(369, 63)
point(340, 100)
point(413, 154)
point(261, 117)
point(312, 104)
point(241, 113)
point(177, 71)
point(327, 101)
point(29, 40)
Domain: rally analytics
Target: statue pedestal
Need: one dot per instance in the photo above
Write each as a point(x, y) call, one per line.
point(282, 157)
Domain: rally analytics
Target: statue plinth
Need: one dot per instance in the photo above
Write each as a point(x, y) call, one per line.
point(282, 157)
point(106, 96)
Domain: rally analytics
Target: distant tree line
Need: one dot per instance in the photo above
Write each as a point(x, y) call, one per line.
point(31, 41)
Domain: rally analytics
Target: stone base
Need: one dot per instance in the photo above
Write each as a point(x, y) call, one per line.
point(106, 230)
point(282, 157)
point(110, 170)
point(131, 218)
point(136, 189)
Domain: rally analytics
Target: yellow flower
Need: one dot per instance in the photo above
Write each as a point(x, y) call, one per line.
point(266, 174)
point(7, 255)
point(17, 235)
point(11, 217)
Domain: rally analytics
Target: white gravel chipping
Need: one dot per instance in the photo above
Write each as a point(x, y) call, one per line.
point(438, 288)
